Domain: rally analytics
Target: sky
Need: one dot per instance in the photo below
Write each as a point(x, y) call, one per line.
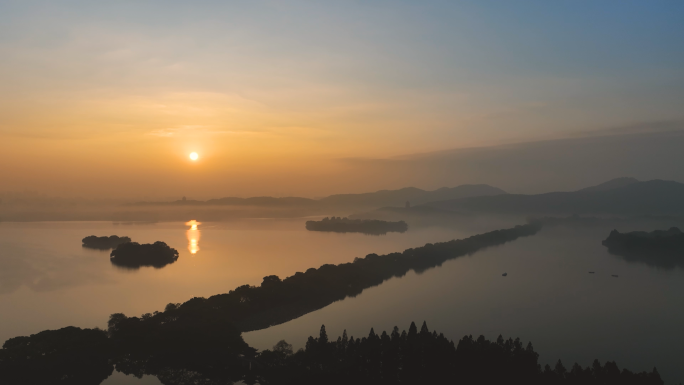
point(107, 99)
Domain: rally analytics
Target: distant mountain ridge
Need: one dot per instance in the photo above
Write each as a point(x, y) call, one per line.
point(364, 200)
point(413, 195)
point(611, 184)
point(620, 196)
point(235, 201)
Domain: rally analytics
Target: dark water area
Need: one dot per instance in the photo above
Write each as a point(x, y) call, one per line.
point(47, 281)
point(548, 297)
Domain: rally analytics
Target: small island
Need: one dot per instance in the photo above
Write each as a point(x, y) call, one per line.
point(346, 225)
point(133, 255)
point(662, 248)
point(104, 243)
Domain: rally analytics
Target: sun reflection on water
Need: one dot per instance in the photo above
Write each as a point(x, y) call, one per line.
point(193, 235)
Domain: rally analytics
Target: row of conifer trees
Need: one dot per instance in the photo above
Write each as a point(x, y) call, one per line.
point(424, 357)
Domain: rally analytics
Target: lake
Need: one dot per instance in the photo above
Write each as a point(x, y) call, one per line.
point(47, 281)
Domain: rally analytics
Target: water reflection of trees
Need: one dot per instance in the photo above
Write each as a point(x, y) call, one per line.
point(660, 248)
point(667, 261)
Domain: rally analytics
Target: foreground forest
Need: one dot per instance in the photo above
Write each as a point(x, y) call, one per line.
point(88, 356)
point(424, 357)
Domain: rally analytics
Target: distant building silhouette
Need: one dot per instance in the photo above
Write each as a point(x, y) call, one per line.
point(184, 199)
point(408, 205)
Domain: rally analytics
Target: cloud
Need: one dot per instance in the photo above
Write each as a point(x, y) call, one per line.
point(647, 151)
point(167, 132)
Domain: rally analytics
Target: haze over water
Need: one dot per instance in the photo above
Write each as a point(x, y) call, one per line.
point(51, 281)
point(548, 297)
point(210, 131)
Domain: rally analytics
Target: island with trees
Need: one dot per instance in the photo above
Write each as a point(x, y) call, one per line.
point(662, 248)
point(104, 243)
point(366, 226)
point(134, 255)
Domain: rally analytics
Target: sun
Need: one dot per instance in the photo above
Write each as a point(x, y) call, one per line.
point(194, 156)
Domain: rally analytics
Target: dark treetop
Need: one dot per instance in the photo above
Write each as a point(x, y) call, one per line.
point(366, 226)
point(104, 243)
point(134, 255)
point(663, 248)
point(66, 356)
point(424, 357)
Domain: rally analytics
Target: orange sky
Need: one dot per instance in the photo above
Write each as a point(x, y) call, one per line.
point(109, 100)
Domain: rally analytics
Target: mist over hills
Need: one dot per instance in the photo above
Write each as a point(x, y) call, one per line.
point(235, 201)
point(647, 151)
point(233, 207)
point(411, 194)
point(621, 197)
point(611, 184)
point(364, 200)
point(617, 197)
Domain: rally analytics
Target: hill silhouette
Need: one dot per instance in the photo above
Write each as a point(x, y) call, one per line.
point(234, 201)
point(364, 200)
point(413, 195)
point(655, 197)
point(232, 207)
point(611, 184)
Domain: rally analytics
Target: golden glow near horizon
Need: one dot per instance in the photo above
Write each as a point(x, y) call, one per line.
point(193, 235)
point(282, 101)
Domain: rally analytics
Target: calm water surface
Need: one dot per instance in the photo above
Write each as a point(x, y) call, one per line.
point(47, 281)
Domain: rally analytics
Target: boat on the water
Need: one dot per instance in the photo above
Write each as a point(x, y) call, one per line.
point(504, 274)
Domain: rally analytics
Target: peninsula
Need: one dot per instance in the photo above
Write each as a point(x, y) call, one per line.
point(661, 248)
point(660, 241)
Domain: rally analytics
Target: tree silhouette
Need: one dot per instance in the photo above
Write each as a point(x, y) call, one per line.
point(215, 354)
point(366, 226)
point(429, 358)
